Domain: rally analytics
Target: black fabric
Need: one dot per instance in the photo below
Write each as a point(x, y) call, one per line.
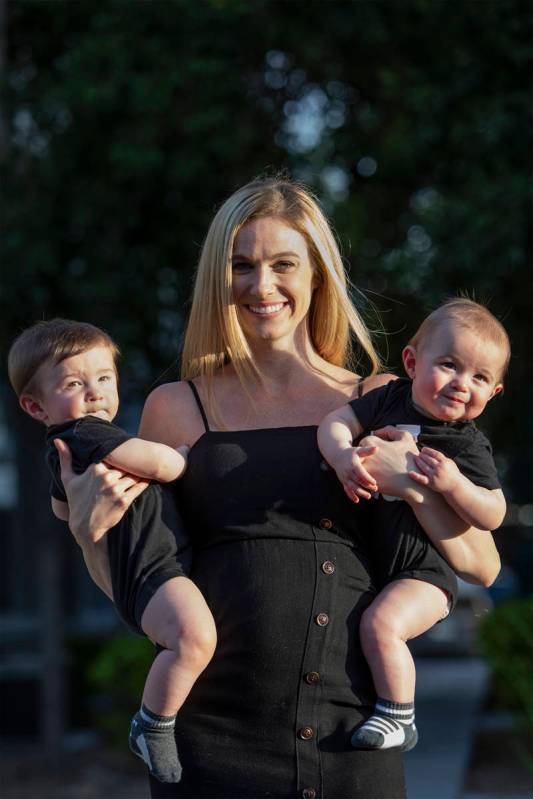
point(90, 440)
point(276, 545)
point(399, 546)
point(149, 545)
point(460, 441)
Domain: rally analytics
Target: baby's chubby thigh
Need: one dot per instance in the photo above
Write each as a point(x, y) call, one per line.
point(404, 609)
point(177, 618)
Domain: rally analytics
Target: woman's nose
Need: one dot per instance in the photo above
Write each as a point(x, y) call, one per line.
point(262, 282)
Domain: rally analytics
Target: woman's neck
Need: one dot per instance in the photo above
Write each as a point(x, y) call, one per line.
point(281, 367)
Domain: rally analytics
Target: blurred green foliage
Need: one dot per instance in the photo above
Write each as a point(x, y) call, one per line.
point(127, 123)
point(507, 643)
point(107, 682)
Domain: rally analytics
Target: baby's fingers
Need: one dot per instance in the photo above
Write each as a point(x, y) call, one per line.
point(432, 453)
point(350, 493)
point(365, 480)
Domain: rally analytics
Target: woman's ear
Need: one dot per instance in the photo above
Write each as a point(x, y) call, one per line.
point(409, 360)
point(33, 407)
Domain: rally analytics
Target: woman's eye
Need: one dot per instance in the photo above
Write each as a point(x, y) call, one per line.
point(240, 266)
point(283, 266)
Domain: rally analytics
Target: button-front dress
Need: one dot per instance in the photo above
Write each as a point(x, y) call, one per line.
point(279, 554)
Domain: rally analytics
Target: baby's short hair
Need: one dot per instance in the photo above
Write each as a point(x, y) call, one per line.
point(53, 340)
point(469, 314)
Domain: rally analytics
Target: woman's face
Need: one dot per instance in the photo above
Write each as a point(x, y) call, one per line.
point(273, 280)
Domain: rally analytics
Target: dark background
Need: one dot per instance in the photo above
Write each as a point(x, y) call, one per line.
point(125, 124)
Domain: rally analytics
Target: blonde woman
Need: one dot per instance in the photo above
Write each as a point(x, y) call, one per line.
point(280, 552)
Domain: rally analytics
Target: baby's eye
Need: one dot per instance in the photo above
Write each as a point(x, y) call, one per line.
point(104, 378)
point(73, 383)
point(448, 364)
point(482, 378)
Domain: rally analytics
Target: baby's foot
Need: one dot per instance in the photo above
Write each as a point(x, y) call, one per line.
point(391, 726)
point(152, 739)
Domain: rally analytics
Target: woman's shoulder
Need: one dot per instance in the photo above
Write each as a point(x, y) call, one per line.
point(376, 381)
point(171, 415)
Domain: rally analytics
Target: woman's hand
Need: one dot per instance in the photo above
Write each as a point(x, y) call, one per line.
point(391, 463)
point(470, 552)
point(98, 498)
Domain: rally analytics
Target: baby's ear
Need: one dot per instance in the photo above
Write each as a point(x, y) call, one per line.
point(498, 388)
point(409, 360)
point(33, 407)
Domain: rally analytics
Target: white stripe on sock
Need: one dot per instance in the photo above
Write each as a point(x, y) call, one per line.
point(390, 711)
point(153, 722)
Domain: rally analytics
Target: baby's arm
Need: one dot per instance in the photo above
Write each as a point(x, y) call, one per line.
point(149, 460)
point(335, 440)
point(480, 507)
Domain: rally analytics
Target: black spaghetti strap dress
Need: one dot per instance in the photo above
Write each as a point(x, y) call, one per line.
point(279, 554)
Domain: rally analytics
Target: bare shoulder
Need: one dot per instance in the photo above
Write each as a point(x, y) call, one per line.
point(171, 416)
point(376, 381)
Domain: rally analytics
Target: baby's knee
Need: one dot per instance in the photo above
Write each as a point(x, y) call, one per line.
point(197, 640)
point(377, 629)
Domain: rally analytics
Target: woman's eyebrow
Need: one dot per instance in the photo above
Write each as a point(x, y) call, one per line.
point(270, 257)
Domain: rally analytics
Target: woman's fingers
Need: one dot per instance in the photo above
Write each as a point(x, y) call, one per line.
point(419, 478)
point(390, 433)
point(65, 460)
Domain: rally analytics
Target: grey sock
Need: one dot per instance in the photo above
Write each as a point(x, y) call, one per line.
point(391, 726)
point(152, 739)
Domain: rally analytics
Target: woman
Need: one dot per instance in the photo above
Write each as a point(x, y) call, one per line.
point(279, 549)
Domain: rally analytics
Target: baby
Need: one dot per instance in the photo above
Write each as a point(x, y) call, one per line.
point(456, 363)
point(65, 376)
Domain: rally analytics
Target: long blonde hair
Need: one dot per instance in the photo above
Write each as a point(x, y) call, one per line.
point(214, 336)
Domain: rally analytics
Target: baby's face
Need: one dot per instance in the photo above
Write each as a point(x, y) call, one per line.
point(82, 385)
point(455, 373)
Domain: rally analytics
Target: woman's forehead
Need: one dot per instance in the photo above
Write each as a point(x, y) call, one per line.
point(267, 237)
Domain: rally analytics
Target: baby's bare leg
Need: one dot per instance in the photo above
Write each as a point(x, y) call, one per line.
point(178, 619)
point(404, 609)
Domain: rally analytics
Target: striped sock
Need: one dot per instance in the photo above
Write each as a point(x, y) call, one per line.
point(152, 739)
point(391, 725)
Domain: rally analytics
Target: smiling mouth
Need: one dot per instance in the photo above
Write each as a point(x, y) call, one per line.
point(456, 400)
point(267, 310)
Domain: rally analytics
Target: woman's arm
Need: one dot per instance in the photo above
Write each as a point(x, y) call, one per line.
point(470, 552)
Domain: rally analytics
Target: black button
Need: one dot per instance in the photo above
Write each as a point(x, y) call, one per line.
point(328, 567)
point(306, 733)
point(326, 524)
point(308, 793)
point(312, 677)
point(322, 619)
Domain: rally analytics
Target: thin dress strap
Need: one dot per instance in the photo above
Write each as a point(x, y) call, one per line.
point(360, 384)
point(199, 403)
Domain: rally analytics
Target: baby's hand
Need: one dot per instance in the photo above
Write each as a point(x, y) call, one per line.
point(438, 472)
point(356, 481)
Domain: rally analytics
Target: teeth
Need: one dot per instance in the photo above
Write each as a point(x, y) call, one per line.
point(266, 308)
